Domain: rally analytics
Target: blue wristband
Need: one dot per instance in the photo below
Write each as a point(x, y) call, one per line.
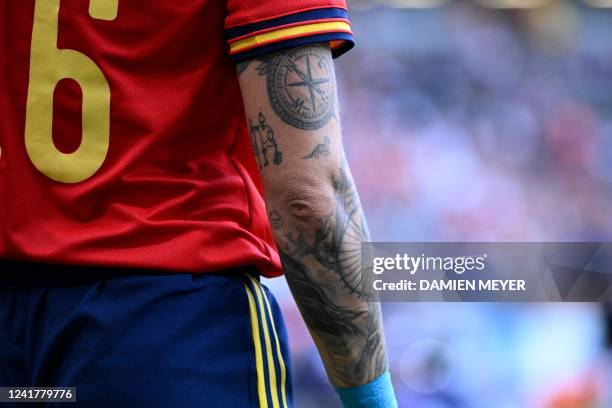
point(376, 394)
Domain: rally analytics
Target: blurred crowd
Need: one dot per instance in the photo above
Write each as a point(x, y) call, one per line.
point(468, 123)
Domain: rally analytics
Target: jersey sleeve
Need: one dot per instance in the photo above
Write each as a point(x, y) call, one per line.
point(255, 27)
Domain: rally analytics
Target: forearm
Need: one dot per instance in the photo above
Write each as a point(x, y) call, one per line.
point(321, 258)
point(313, 206)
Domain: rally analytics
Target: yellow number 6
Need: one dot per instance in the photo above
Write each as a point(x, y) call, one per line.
point(48, 66)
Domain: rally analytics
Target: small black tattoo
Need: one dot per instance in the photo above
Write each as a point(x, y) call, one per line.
point(264, 143)
point(322, 149)
point(275, 220)
point(301, 86)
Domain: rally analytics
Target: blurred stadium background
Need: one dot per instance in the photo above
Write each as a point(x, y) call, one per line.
point(484, 120)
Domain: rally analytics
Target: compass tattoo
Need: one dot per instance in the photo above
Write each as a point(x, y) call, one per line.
point(264, 143)
point(301, 85)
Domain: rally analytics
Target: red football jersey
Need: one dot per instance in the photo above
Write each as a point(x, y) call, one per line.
point(123, 140)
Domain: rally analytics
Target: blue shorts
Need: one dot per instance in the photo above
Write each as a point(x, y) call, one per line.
point(144, 339)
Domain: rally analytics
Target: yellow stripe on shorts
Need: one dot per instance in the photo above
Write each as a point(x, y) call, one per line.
point(270, 357)
point(279, 352)
point(267, 347)
point(261, 381)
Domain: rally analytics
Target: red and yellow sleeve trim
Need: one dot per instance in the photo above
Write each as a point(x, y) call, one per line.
point(322, 25)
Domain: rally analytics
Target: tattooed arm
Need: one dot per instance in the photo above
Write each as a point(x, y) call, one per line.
point(313, 207)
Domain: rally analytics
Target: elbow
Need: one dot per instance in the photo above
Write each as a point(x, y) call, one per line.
point(309, 204)
point(304, 202)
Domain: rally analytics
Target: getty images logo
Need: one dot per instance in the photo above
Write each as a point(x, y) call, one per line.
point(414, 264)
